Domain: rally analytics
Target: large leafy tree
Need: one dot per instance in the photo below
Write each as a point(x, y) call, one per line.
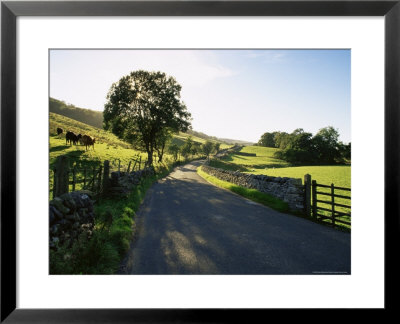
point(327, 145)
point(281, 139)
point(207, 148)
point(186, 149)
point(143, 107)
point(267, 139)
point(301, 147)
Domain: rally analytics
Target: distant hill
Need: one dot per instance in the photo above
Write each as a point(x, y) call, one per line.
point(217, 139)
point(234, 141)
point(95, 118)
point(201, 135)
point(87, 116)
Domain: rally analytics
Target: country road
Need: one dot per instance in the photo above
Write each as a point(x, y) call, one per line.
point(188, 226)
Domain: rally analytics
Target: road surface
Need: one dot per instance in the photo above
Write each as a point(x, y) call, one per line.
point(189, 226)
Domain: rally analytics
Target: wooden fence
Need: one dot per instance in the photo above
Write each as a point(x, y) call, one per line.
point(327, 202)
point(136, 163)
point(64, 178)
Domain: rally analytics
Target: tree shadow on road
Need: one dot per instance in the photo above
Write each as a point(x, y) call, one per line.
point(196, 228)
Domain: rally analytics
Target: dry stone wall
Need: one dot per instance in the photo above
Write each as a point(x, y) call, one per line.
point(121, 183)
point(70, 215)
point(289, 190)
point(227, 151)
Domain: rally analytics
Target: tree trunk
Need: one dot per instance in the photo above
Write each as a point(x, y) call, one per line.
point(161, 154)
point(149, 158)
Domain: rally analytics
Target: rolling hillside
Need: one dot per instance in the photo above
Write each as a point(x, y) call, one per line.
point(95, 119)
point(87, 116)
point(107, 146)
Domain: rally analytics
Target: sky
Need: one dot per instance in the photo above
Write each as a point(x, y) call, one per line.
point(237, 94)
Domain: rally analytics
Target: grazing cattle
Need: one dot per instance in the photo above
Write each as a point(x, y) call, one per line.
point(71, 137)
point(59, 130)
point(79, 138)
point(87, 141)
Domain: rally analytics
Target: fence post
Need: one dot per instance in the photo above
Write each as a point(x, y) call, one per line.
point(129, 166)
point(73, 178)
point(314, 199)
point(106, 175)
point(93, 177)
point(119, 165)
point(99, 181)
point(54, 181)
point(84, 179)
point(61, 184)
point(307, 194)
point(333, 204)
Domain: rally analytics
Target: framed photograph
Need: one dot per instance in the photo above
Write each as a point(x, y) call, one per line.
point(242, 79)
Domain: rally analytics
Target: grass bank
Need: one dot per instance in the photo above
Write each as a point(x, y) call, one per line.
point(251, 194)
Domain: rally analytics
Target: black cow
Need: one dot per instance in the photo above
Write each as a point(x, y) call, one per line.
point(59, 130)
point(71, 137)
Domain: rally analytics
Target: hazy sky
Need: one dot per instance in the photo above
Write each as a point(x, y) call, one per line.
point(237, 94)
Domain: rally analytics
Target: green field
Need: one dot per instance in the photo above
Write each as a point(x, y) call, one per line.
point(340, 175)
point(265, 163)
point(264, 158)
point(107, 147)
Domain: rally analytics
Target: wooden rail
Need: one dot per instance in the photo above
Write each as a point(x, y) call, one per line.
point(94, 178)
point(334, 215)
point(327, 209)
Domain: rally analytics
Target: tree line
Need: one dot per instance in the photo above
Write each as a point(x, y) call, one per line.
point(300, 147)
point(192, 148)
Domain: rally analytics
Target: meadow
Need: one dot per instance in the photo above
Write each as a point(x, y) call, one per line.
point(265, 163)
point(264, 158)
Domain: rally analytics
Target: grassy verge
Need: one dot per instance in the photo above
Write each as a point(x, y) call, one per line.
point(251, 194)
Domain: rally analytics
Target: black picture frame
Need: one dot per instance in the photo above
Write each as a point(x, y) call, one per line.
point(10, 10)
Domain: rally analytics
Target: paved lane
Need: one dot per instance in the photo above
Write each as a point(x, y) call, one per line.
point(188, 226)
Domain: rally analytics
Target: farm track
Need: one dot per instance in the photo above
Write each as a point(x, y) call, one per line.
point(188, 226)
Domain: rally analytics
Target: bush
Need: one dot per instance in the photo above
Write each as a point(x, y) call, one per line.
point(86, 256)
